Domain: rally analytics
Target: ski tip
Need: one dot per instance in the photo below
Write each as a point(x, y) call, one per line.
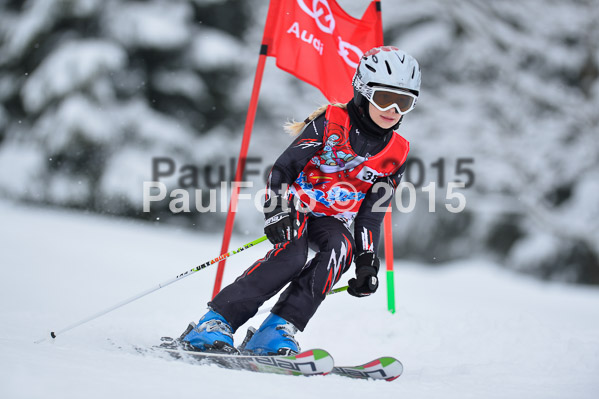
point(316, 353)
point(388, 360)
point(383, 368)
point(320, 357)
point(393, 367)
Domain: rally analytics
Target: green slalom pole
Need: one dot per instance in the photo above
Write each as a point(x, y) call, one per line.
point(388, 228)
point(390, 291)
point(336, 290)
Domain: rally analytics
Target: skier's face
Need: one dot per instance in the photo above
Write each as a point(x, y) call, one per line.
point(384, 119)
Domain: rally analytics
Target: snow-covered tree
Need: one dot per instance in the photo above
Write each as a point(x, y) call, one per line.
point(512, 85)
point(92, 90)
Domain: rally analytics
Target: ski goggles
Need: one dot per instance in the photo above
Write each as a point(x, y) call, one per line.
point(385, 98)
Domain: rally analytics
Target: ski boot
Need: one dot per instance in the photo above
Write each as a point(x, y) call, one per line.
point(274, 337)
point(212, 334)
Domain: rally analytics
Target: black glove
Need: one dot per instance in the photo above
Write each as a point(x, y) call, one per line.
point(366, 282)
point(279, 223)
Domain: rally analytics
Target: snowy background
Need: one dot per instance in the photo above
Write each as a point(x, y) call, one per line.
point(92, 91)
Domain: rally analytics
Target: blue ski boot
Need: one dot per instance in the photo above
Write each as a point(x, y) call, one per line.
point(274, 337)
point(212, 334)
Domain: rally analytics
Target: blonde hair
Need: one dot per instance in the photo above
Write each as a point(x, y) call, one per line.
point(294, 128)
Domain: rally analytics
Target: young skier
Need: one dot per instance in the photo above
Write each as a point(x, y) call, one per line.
point(323, 181)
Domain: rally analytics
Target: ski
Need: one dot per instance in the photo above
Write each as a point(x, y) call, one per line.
point(310, 362)
point(306, 363)
point(383, 368)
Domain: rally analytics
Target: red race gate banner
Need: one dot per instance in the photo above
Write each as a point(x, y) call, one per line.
point(319, 43)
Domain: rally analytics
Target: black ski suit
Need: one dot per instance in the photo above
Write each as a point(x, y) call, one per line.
point(310, 280)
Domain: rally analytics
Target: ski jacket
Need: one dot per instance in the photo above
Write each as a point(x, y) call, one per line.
point(336, 179)
point(332, 168)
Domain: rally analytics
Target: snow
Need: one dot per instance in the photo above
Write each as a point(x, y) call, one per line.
point(75, 116)
point(136, 162)
point(467, 330)
point(38, 18)
point(74, 65)
point(67, 190)
point(159, 25)
point(213, 49)
point(184, 83)
point(20, 167)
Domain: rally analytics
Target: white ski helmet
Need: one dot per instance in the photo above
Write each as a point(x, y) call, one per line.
point(386, 66)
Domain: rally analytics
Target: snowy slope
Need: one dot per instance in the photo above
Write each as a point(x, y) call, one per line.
point(469, 330)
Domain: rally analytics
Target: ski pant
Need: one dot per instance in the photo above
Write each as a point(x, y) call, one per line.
point(309, 280)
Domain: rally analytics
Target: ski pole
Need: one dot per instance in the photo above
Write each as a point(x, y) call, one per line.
point(333, 291)
point(340, 289)
point(53, 334)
